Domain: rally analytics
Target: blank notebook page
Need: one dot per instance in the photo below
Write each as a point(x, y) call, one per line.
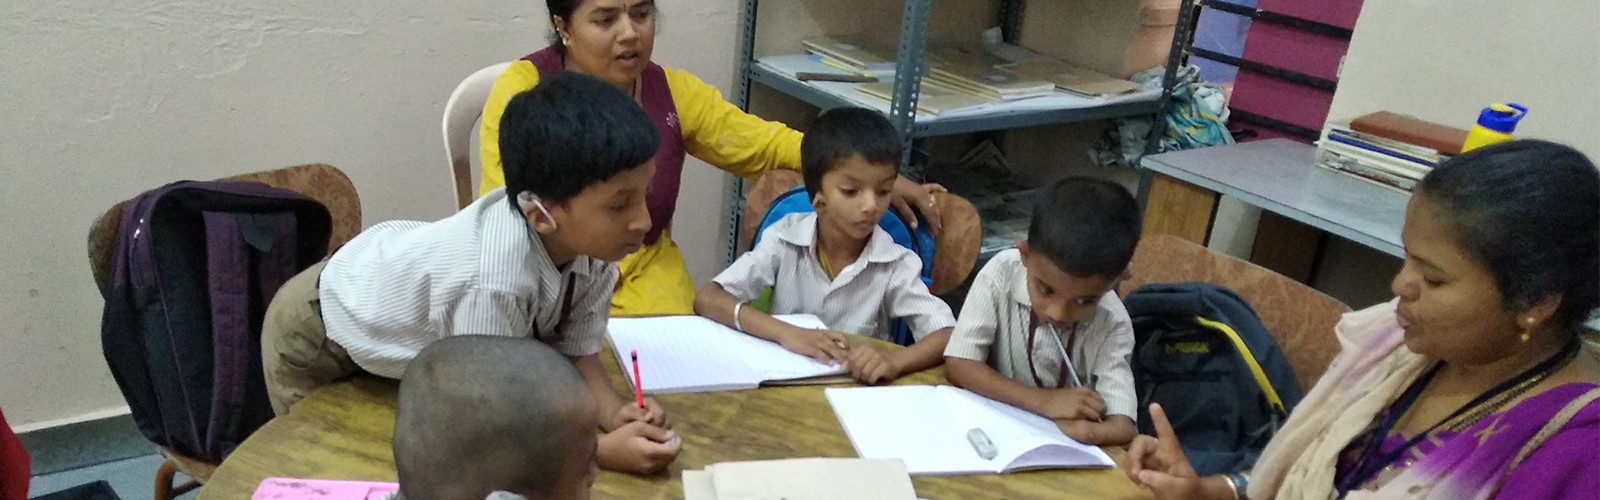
point(910, 423)
point(695, 354)
point(1017, 433)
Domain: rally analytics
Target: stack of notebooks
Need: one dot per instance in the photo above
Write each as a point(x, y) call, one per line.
point(1388, 149)
point(800, 479)
point(852, 53)
point(932, 99)
point(971, 69)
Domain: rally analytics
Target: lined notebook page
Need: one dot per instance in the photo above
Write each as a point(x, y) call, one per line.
point(695, 354)
point(910, 423)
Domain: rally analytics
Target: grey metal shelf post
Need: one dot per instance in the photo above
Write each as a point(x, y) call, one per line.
point(908, 72)
point(741, 98)
point(1188, 15)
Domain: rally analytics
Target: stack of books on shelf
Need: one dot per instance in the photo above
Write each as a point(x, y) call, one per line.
point(970, 68)
point(853, 54)
point(1388, 149)
point(933, 98)
point(962, 75)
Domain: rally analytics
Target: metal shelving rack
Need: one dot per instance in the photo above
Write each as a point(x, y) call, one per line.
point(909, 68)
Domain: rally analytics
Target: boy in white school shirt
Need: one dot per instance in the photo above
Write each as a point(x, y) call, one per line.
point(489, 417)
point(532, 260)
point(836, 262)
point(1042, 328)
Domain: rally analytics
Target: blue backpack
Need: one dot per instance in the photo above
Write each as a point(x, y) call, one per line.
point(1201, 352)
point(795, 201)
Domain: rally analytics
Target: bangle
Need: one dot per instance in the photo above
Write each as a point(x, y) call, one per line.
point(1239, 483)
point(736, 325)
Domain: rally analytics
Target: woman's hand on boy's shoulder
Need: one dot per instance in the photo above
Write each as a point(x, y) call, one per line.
point(909, 194)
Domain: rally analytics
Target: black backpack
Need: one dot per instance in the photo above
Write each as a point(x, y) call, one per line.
point(194, 267)
point(1201, 352)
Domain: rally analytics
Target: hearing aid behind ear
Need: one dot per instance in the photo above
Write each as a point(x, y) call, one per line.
point(526, 197)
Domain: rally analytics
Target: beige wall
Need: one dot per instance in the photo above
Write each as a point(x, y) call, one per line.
point(106, 99)
point(1444, 60)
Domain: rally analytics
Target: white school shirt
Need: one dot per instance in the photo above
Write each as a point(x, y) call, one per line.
point(400, 285)
point(993, 329)
point(883, 284)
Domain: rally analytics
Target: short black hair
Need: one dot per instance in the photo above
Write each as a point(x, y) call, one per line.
point(1088, 227)
point(570, 132)
point(479, 413)
point(840, 133)
point(1529, 212)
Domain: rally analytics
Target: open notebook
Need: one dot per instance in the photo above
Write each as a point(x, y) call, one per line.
point(800, 479)
point(695, 354)
point(927, 426)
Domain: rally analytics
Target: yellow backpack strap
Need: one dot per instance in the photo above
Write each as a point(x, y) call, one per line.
point(1249, 360)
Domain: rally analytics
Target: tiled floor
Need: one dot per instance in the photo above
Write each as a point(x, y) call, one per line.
point(133, 478)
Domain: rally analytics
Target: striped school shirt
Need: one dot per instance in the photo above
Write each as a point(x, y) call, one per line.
point(993, 329)
point(400, 285)
point(883, 284)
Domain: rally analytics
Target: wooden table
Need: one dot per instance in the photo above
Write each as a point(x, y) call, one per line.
point(344, 431)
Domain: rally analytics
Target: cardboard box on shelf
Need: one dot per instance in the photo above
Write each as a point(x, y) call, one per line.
point(1115, 37)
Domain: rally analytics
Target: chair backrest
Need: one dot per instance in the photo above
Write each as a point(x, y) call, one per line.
point(1300, 318)
point(461, 115)
point(955, 248)
point(324, 183)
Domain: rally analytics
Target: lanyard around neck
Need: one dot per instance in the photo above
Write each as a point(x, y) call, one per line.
point(1367, 468)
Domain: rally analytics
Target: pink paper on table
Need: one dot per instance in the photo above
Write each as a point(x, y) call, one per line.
point(279, 488)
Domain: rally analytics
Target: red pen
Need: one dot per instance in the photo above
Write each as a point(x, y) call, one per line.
point(638, 386)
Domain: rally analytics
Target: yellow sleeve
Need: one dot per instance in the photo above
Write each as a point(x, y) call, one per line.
point(716, 131)
point(517, 78)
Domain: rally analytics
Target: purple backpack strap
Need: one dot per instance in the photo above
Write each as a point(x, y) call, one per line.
point(230, 239)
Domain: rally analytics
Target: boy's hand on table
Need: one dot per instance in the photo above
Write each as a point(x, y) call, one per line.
point(1073, 403)
point(822, 345)
point(653, 414)
point(639, 448)
point(1082, 431)
point(869, 366)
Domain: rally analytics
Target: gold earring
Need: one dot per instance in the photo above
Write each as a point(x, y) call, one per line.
point(1529, 322)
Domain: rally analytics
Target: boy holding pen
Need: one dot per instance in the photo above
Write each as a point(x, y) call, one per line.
point(1043, 329)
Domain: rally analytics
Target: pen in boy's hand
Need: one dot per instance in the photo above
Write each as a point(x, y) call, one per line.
point(638, 385)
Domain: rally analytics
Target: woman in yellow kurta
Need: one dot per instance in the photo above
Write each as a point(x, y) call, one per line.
point(613, 40)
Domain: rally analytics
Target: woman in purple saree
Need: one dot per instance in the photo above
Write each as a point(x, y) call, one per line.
point(1478, 380)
